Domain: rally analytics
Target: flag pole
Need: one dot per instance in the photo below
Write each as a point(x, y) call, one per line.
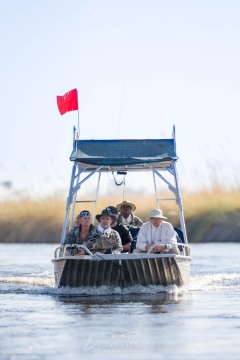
point(78, 126)
point(78, 117)
point(74, 135)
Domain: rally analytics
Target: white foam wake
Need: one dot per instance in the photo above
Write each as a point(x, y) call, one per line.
point(44, 284)
point(215, 282)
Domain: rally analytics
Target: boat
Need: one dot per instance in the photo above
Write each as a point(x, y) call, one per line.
point(124, 270)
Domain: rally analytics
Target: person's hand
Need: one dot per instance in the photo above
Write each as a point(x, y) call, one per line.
point(80, 252)
point(157, 248)
point(147, 247)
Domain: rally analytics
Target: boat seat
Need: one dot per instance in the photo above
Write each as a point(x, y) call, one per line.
point(134, 232)
point(180, 237)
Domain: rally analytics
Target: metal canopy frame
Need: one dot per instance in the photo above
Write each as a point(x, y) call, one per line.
point(81, 172)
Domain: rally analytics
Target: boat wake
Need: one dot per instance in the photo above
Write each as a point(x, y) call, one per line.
point(40, 283)
point(213, 282)
point(44, 284)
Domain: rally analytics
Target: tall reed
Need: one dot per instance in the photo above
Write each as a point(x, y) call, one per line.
point(27, 220)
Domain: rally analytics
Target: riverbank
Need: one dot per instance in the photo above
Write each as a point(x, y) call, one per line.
point(211, 216)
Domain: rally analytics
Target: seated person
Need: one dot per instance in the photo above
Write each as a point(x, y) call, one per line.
point(157, 230)
point(126, 216)
point(110, 241)
point(123, 230)
point(83, 233)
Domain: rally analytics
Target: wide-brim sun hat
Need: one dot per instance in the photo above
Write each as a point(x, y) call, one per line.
point(105, 213)
point(157, 213)
point(125, 202)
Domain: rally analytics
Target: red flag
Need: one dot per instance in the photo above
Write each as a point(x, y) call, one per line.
point(68, 102)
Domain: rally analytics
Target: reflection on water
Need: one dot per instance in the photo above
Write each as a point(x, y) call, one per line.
point(157, 303)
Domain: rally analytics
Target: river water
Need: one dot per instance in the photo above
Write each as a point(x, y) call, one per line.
point(39, 321)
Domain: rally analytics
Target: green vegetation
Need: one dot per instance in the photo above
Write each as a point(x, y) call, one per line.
point(212, 215)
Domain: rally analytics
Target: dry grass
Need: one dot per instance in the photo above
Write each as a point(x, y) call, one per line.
point(213, 215)
point(26, 220)
point(215, 200)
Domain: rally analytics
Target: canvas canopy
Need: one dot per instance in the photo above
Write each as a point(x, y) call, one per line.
point(120, 153)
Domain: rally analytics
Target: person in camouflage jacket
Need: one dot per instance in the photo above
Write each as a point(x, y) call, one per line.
point(88, 235)
point(109, 237)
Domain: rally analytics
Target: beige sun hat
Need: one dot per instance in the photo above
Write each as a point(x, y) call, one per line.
point(125, 202)
point(156, 213)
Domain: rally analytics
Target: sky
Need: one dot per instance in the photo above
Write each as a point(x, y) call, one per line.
point(140, 67)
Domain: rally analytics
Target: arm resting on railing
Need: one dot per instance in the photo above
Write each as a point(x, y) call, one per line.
point(73, 247)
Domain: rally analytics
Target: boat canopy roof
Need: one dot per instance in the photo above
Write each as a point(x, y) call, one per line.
point(124, 154)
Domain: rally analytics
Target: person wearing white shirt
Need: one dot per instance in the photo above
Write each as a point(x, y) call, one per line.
point(157, 230)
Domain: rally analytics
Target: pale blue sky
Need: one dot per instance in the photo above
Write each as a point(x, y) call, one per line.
point(139, 67)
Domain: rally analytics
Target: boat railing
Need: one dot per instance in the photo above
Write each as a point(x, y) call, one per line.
point(184, 248)
point(60, 251)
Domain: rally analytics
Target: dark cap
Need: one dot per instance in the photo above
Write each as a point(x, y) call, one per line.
point(105, 213)
point(112, 209)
